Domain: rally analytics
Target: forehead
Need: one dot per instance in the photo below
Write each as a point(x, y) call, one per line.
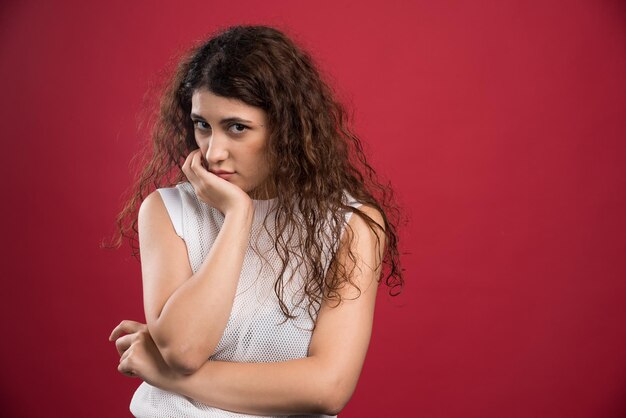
point(211, 106)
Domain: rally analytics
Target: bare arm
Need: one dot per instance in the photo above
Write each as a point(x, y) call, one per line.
point(324, 381)
point(186, 313)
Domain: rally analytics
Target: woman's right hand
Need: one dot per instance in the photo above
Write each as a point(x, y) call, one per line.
point(213, 190)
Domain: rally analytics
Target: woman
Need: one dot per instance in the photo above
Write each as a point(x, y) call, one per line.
point(283, 240)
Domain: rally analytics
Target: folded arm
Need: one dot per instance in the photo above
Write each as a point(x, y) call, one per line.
point(324, 381)
point(187, 312)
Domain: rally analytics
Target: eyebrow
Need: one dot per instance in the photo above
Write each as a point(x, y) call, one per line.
point(223, 121)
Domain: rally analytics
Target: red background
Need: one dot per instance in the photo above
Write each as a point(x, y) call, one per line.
point(500, 123)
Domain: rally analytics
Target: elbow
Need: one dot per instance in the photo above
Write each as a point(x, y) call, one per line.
point(334, 406)
point(183, 361)
point(338, 393)
point(182, 358)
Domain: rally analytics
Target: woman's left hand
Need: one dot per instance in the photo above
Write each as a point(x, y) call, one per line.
point(139, 355)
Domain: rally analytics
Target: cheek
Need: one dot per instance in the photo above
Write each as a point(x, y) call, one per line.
point(260, 160)
point(262, 168)
point(201, 141)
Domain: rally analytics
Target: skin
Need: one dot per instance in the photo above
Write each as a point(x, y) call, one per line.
point(186, 313)
point(237, 146)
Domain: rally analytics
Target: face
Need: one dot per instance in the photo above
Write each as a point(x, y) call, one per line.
point(233, 137)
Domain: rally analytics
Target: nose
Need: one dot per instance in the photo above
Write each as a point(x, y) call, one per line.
point(217, 150)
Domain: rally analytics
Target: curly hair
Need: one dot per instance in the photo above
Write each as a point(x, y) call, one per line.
point(313, 154)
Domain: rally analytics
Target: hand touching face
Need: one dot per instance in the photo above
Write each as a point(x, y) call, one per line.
point(213, 190)
point(232, 137)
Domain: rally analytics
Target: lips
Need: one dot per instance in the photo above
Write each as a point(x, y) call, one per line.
point(223, 174)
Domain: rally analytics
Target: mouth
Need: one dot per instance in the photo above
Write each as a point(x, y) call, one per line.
point(223, 174)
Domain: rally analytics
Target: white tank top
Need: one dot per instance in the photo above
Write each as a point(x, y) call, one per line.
point(256, 331)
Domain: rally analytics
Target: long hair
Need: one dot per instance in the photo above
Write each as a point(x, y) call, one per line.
point(313, 154)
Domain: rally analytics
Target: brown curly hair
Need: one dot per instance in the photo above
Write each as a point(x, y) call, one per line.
point(313, 154)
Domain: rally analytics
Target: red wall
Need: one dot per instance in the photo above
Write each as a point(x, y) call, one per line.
point(502, 125)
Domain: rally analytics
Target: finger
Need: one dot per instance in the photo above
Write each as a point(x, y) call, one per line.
point(204, 162)
point(202, 174)
point(126, 353)
point(125, 369)
point(192, 176)
point(200, 165)
point(125, 327)
point(124, 342)
point(185, 166)
point(196, 163)
point(201, 179)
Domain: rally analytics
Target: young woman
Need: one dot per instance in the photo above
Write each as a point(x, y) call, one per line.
point(260, 270)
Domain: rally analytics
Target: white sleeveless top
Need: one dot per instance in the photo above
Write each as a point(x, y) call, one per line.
point(256, 331)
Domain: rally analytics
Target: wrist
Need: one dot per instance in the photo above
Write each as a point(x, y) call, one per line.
point(243, 213)
point(171, 380)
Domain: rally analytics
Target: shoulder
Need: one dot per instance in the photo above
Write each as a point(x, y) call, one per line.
point(160, 210)
point(362, 227)
point(152, 205)
point(165, 197)
point(361, 250)
point(366, 209)
point(364, 236)
point(163, 200)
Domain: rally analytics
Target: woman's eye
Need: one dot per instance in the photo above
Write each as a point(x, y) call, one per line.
point(238, 128)
point(200, 124)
